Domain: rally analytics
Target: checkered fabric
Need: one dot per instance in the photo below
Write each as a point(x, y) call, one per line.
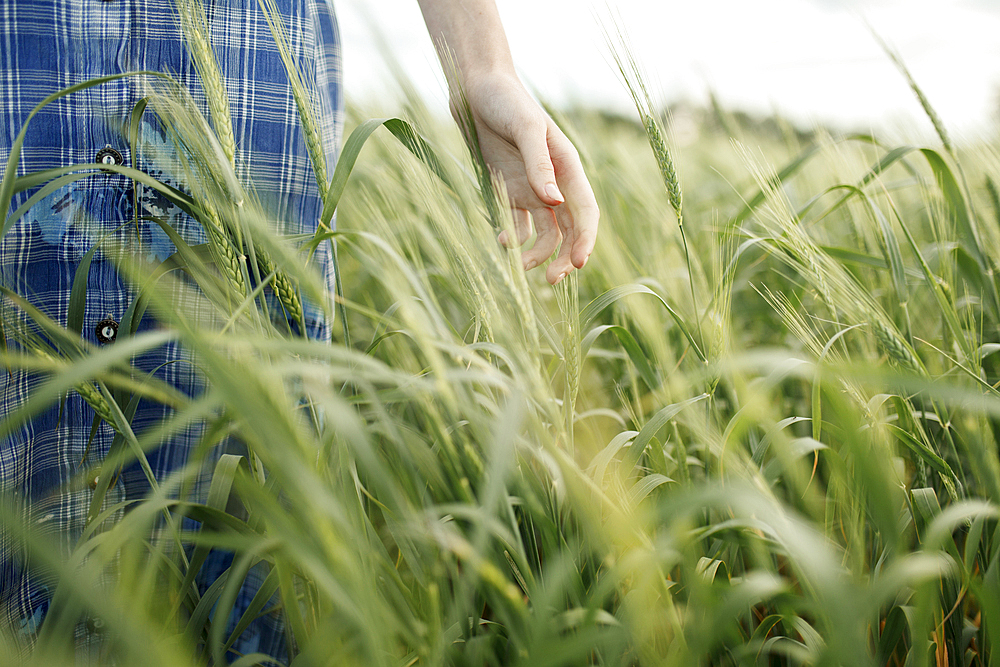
point(47, 45)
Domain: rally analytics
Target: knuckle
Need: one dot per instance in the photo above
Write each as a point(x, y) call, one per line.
point(544, 165)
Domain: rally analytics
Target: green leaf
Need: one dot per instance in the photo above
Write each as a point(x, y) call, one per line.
point(709, 568)
point(787, 172)
point(400, 129)
point(224, 606)
point(53, 179)
point(960, 209)
point(944, 303)
point(579, 616)
point(69, 345)
point(86, 368)
point(218, 496)
point(925, 504)
point(848, 256)
point(890, 249)
point(760, 448)
point(939, 465)
point(593, 308)
point(958, 206)
point(599, 464)
point(945, 522)
point(886, 161)
point(133, 127)
point(987, 349)
point(645, 486)
point(658, 421)
point(78, 294)
point(111, 465)
point(196, 625)
point(632, 349)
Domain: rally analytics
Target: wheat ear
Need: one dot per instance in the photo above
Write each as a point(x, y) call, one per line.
point(195, 27)
point(925, 104)
point(96, 400)
point(282, 286)
point(300, 91)
point(225, 251)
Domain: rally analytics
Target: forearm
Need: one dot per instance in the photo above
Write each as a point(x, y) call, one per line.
point(471, 30)
point(544, 179)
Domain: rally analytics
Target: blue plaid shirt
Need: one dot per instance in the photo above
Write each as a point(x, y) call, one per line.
point(47, 45)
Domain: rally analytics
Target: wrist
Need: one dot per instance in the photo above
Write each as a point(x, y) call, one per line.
point(469, 37)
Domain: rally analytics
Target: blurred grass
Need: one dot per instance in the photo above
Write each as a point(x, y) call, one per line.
point(479, 476)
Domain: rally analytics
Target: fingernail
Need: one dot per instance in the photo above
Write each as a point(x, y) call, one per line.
point(559, 279)
point(552, 190)
point(528, 266)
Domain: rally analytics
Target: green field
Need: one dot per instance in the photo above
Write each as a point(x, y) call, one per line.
point(768, 435)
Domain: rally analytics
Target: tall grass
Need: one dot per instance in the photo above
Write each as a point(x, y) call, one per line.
point(784, 452)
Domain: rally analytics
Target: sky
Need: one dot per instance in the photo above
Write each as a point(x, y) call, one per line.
point(814, 61)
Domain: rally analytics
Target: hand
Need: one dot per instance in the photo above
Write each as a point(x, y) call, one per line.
point(542, 172)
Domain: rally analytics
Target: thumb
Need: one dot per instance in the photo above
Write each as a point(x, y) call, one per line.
point(534, 148)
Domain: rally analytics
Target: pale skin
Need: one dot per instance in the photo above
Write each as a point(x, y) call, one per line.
point(539, 165)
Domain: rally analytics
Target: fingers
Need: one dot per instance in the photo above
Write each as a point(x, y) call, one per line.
point(580, 215)
point(548, 238)
point(561, 266)
point(522, 228)
point(555, 230)
point(571, 228)
point(544, 177)
point(532, 142)
point(585, 216)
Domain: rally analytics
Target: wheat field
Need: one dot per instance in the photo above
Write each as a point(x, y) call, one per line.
point(761, 427)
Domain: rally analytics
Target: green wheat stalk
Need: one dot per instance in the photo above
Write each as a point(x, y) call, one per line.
point(283, 287)
point(655, 133)
point(925, 103)
point(227, 242)
point(301, 88)
point(568, 298)
point(224, 249)
point(304, 103)
point(197, 32)
point(32, 342)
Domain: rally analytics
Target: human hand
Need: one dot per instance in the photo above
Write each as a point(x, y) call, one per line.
point(542, 172)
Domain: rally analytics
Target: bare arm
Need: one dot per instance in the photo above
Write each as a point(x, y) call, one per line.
point(472, 29)
point(539, 165)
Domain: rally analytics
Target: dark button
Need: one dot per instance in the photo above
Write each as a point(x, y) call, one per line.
point(109, 155)
point(106, 330)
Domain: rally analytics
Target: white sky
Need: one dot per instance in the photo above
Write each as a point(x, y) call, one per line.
point(812, 60)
